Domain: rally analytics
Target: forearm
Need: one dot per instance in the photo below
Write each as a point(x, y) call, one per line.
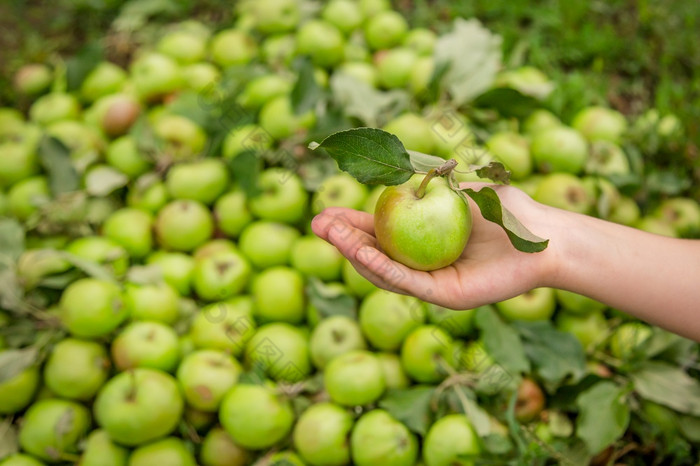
point(654, 278)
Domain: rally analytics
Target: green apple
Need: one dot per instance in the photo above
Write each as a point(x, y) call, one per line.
point(278, 119)
point(386, 318)
point(279, 50)
point(183, 139)
point(279, 295)
point(533, 305)
point(628, 339)
point(33, 79)
point(529, 401)
point(682, 213)
point(314, 257)
point(346, 15)
point(183, 46)
point(131, 228)
point(340, 190)
point(320, 435)
point(426, 352)
point(378, 438)
point(121, 112)
point(394, 375)
point(204, 180)
point(231, 213)
point(267, 244)
point(20, 459)
point(559, 149)
point(214, 247)
point(356, 283)
point(578, 304)
point(255, 416)
point(218, 449)
point(26, 196)
point(19, 161)
point(183, 225)
point(539, 120)
point(394, 67)
point(421, 40)
point(513, 151)
point(564, 191)
point(148, 345)
point(354, 378)
point(421, 75)
point(385, 29)
point(17, 392)
point(361, 71)
point(250, 137)
point(92, 308)
point(147, 193)
point(281, 351)
point(139, 406)
point(425, 232)
point(76, 369)
point(449, 441)
point(175, 268)
point(101, 250)
point(414, 131)
point(332, 337)
point(104, 79)
point(600, 123)
point(171, 451)
point(656, 226)
point(232, 47)
point(607, 158)
point(225, 326)
point(276, 16)
point(322, 41)
point(100, 450)
point(155, 75)
point(156, 302)
point(201, 77)
point(55, 106)
point(456, 323)
point(283, 197)
point(220, 275)
point(206, 376)
point(53, 428)
point(35, 264)
point(258, 91)
point(590, 329)
point(371, 202)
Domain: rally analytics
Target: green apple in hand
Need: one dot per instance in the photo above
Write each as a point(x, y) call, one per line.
point(424, 230)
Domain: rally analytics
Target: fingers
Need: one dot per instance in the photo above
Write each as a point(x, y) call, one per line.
point(335, 217)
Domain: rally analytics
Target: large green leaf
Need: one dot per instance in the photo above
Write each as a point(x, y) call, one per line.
point(371, 155)
point(555, 355)
point(492, 209)
point(502, 342)
point(81, 64)
point(411, 406)
point(603, 415)
point(668, 385)
point(306, 92)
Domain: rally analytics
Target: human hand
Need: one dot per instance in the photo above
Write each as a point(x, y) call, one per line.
point(489, 270)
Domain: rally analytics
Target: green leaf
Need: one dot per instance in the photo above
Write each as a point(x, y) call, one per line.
point(11, 240)
point(330, 302)
point(494, 171)
point(554, 354)
point(359, 100)
point(103, 180)
point(91, 268)
point(55, 157)
point(502, 342)
point(509, 102)
point(690, 427)
point(603, 415)
point(667, 385)
point(473, 54)
point(306, 91)
point(423, 163)
point(189, 105)
point(9, 443)
point(492, 210)
point(246, 168)
point(371, 155)
point(81, 64)
point(477, 415)
point(410, 406)
point(11, 291)
point(14, 361)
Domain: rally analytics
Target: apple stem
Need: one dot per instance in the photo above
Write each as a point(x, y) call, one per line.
point(442, 170)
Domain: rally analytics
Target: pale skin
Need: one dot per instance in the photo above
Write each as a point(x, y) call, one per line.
point(652, 277)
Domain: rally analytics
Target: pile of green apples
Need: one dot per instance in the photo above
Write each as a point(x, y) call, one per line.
point(160, 308)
